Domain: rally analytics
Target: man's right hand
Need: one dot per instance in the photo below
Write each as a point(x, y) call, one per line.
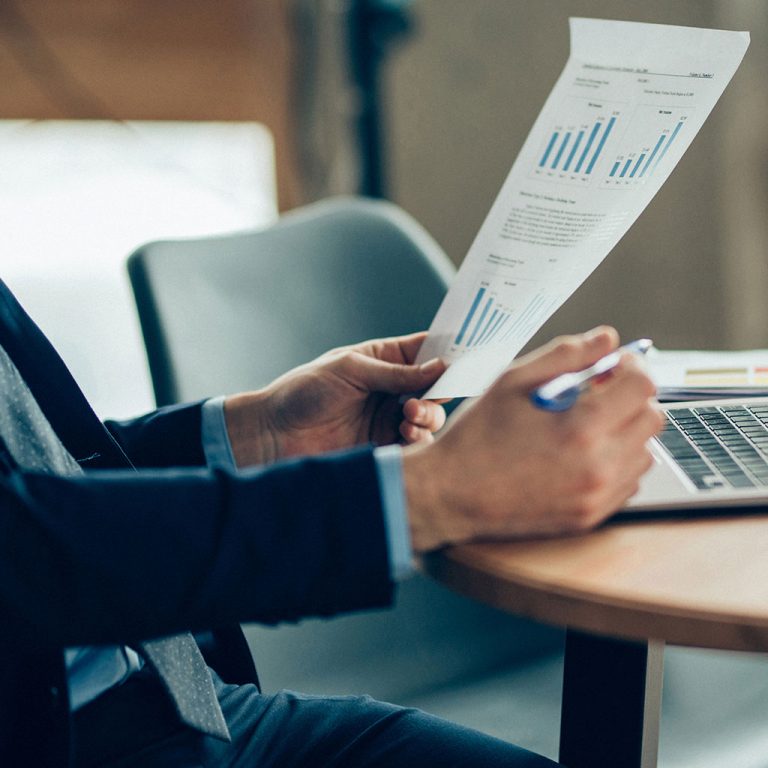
point(505, 469)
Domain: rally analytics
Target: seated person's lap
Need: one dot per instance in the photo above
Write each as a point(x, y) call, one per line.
point(292, 730)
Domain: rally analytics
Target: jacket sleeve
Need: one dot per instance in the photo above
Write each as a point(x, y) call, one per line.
point(168, 437)
point(122, 556)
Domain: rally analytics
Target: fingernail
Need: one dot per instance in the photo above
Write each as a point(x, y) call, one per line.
point(431, 366)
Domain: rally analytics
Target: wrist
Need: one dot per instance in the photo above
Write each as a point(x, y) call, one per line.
point(251, 435)
point(432, 517)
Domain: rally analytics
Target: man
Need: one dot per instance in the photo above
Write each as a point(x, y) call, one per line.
point(113, 539)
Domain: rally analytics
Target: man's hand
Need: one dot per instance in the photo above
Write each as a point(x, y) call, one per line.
point(349, 396)
point(506, 469)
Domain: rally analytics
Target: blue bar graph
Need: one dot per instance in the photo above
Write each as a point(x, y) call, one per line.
point(480, 322)
point(636, 166)
point(499, 326)
point(560, 151)
point(615, 167)
point(491, 329)
point(668, 144)
point(625, 168)
point(600, 146)
point(548, 150)
point(487, 327)
point(470, 315)
point(653, 154)
point(524, 316)
point(590, 142)
point(574, 148)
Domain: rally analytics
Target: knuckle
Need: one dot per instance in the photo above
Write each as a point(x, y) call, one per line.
point(583, 439)
point(594, 478)
point(566, 347)
point(637, 379)
point(648, 462)
point(650, 386)
point(349, 358)
point(587, 513)
point(338, 352)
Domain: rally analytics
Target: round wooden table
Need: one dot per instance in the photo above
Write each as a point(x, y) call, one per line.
point(623, 592)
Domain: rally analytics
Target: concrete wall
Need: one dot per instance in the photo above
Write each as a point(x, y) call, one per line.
point(461, 97)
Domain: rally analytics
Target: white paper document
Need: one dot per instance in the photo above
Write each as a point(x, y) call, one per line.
point(626, 107)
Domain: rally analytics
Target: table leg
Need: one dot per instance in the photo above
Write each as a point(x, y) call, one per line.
point(611, 702)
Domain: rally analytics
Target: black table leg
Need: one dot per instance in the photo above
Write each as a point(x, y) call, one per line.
point(611, 702)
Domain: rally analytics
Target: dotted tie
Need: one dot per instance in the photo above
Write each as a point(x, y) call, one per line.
point(34, 446)
point(186, 677)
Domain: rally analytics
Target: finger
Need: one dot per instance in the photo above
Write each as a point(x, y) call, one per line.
point(628, 364)
point(618, 399)
point(563, 355)
point(630, 484)
point(642, 426)
point(410, 345)
point(424, 413)
point(620, 489)
point(413, 434)
point(398, 349)
point(374, 375)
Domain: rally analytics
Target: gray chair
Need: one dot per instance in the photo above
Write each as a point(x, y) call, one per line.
point(231, 313)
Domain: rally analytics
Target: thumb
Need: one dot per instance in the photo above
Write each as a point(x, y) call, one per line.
point(394, 378)
point(563, 355)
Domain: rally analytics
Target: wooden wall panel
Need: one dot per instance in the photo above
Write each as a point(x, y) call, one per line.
point(144, 59)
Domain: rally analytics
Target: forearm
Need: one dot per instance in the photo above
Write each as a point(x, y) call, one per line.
point(432, 518)
point(115, 557)
point(252, 439)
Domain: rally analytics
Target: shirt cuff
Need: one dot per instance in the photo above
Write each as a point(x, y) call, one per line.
point(215, 438)
point(389, 468)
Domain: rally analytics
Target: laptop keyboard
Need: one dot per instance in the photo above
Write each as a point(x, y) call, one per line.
point(719, 447)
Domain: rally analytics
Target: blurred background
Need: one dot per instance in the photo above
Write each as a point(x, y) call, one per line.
point(424, 102)
point(123, 121)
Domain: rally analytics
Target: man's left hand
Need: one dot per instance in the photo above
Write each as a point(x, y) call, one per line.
point(348, 396)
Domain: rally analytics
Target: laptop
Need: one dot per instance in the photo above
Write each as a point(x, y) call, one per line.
point(711, 454)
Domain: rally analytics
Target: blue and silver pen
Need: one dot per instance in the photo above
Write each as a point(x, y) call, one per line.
point(562, 392)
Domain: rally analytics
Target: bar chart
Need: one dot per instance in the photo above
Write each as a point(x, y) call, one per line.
point(498, 313)
point(642, 151)
point(484, 319)
point(577, 141)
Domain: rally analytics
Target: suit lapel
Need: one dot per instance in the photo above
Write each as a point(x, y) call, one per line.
point(56, 392)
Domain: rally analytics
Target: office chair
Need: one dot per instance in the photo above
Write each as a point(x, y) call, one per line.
point(230, 313)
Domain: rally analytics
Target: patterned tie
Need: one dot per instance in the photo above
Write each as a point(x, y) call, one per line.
point(35, 447)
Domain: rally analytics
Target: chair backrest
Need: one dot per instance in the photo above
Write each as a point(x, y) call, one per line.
point(231, 313)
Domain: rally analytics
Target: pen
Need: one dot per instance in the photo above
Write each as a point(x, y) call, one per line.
point(562, 392)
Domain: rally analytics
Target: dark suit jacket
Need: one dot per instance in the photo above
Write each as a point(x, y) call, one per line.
point(148, 542)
